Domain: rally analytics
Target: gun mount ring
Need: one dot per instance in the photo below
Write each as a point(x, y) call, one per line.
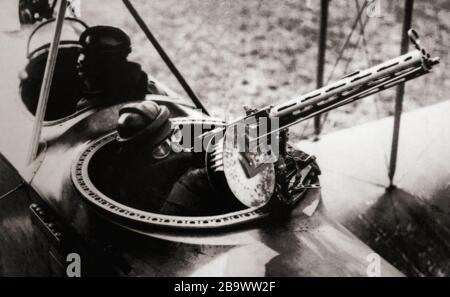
point(123, 214)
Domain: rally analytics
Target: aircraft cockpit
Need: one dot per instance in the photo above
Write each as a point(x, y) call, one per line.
point(91, 70)
point(67, 88)
point(130, 164)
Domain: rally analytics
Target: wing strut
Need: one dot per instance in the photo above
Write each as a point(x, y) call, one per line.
point(46, 83)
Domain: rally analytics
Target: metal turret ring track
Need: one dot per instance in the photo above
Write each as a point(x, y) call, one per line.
point(95, 197)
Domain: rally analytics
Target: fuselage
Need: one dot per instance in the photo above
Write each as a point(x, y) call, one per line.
point(52, 219)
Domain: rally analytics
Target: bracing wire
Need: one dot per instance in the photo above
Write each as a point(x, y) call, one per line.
point(362, 25)
point(325, 117)
point(369, 63)
point(344, 47)
point(347, 41)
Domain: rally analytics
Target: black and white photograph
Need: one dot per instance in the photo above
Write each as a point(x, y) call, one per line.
point(224, 143)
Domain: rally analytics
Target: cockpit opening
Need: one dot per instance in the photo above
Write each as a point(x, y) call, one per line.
point(66, 87)
point(91, 71)
point(136, 174)
point(146, 168)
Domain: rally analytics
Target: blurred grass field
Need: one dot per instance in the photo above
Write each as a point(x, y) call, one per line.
point(253, 53)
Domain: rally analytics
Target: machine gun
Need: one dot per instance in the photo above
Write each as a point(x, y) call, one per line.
point(254, 173)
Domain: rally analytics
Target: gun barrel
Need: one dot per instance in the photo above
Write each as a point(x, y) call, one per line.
point(356, 83)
